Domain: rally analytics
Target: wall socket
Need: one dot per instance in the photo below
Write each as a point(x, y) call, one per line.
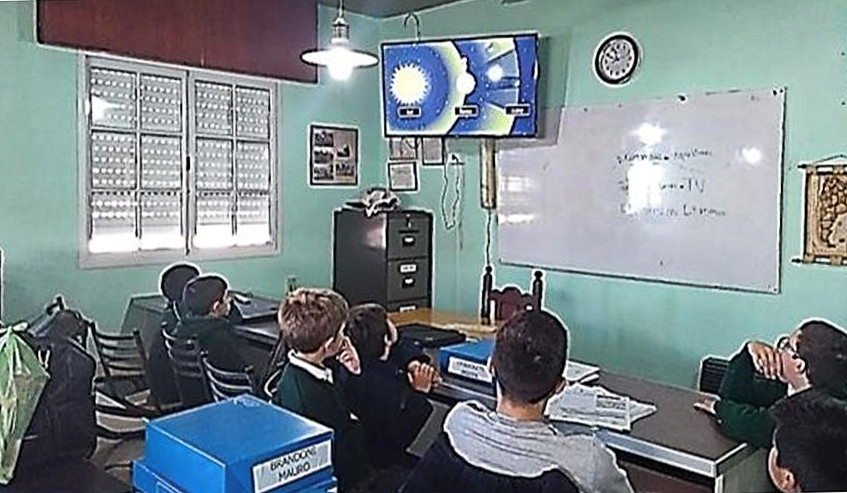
point(291, 284)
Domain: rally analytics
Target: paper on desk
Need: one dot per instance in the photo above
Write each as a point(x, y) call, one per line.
point(576, 372)
point(596, 406)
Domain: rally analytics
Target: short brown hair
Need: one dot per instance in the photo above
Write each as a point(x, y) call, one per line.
point(530, 355)
point(310, 316)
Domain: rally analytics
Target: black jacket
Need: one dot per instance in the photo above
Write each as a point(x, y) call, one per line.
point(391, 411)
point(441, 470)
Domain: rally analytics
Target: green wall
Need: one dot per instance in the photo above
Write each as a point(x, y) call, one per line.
point(650, 329)
point(38, 179)
point(655, 330)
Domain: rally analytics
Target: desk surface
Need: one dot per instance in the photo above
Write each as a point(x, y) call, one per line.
point(676, 434)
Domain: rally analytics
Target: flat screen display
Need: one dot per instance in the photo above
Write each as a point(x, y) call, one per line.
point(475, 87)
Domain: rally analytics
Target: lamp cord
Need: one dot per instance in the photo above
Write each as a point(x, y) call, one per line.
point(489, 216)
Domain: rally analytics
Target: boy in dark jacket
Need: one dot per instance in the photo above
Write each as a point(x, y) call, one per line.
point(389, 396)
point(513, 449)
point(814, 355)
point(207, 305)
point(312, 326)
point(810, 443)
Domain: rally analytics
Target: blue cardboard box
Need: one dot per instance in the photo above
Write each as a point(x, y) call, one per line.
point(468, 360)
point(242, 445)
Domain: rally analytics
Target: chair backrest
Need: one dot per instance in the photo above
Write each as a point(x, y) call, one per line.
point(712, 370)
point(187, 364)
point(122, 358)
point(508, 300)
point(224, 384)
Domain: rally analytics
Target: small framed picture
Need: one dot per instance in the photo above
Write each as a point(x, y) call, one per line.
point(333, 155)
point(402, 148)
point(403, 176)
point(432, 151)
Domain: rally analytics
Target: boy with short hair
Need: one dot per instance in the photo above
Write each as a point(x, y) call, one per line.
point(207, 305)
point(311, 324)
point(813, 356)
point(513, 449)
point(810, 443)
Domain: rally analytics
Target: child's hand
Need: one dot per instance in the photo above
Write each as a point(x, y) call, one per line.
point(707, 404)
point(766, 359)
point(422, 377)
point(349, 357)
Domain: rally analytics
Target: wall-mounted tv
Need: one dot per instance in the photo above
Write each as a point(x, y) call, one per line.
point(472, 87)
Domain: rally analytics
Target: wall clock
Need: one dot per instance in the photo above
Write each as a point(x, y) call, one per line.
point(616, 59)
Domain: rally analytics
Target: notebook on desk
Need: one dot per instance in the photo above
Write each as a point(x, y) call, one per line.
point(254, 309)
point(425, 336)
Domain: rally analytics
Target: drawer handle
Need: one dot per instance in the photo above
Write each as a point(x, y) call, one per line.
point(408, 308)
point(408, 240)
point(408, 268)
point(408, 282)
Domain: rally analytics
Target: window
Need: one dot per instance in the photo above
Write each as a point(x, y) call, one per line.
point(175, 164)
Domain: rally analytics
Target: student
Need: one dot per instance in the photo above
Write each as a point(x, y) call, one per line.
point(172, 281)
point(311, 323)
point(810, 443)
point(814, 355)
point(389, 396)
point(207, 305)
point(513, 449)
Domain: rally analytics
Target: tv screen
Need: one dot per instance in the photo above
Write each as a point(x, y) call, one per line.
point(477, 87)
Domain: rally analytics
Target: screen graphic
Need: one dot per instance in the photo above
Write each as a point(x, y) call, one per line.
point(483, 87)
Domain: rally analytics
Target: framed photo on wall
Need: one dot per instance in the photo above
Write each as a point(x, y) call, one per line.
point(432, 151)
point(333, 155)
point(403, 176)
point(402, 148)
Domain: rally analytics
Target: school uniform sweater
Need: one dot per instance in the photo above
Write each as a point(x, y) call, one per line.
point(391, 411)
point(481, 451)
point(314, 393)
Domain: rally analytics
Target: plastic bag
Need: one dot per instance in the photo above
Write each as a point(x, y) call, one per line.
point(22, 378)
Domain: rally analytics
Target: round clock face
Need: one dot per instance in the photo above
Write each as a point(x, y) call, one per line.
point(616, 59)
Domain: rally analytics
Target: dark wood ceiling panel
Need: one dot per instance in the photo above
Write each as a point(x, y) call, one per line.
point(271, 36)
point(387, 8)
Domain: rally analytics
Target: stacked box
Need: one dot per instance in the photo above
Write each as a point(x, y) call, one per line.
point(468, 360)
point(242, 445)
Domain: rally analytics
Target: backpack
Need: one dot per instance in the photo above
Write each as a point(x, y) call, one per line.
point(64, 424)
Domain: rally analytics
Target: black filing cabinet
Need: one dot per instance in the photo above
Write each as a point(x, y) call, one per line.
point(385, 259)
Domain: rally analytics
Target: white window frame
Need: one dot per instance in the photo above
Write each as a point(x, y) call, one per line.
point(87, 259)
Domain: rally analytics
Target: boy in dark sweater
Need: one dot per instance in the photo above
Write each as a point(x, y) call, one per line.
point(814, 355)
point(389, 396)
point(810, 443)
point(312, 326)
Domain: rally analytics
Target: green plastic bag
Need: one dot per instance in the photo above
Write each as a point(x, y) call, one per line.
point(22, 378)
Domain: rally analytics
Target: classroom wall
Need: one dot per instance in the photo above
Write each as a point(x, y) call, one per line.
point(650, 329)
point(38, 179)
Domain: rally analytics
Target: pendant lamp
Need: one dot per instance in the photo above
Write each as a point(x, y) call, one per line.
point(339, 57)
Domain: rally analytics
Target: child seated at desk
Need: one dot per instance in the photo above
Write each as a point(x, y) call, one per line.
point(389, 396)
point(810, 443)
point(513, 449)
point(312, 325)
point(207, 305)
point(814, 355)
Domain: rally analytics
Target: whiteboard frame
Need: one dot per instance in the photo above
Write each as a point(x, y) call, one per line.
point(682, 97)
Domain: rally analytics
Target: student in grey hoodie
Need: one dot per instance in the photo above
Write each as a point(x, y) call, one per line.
point(513, 449)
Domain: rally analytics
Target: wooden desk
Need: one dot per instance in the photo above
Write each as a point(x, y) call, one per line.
point(74, 476)
point(677, 449)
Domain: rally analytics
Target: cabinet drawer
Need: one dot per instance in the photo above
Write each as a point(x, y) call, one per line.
point(403, 306)
point(408, 279)
point(409, 236)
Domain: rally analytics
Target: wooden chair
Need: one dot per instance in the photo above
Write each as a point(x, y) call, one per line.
point(508, 300)
point(224, 384)
point(186, 361)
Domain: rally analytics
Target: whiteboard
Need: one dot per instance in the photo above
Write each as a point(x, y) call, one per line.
point(684, 190)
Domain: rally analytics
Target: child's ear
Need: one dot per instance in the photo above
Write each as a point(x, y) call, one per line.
point(801, 365)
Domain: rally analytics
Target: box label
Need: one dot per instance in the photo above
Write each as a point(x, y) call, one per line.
point(469, 369)
point(291, 467)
